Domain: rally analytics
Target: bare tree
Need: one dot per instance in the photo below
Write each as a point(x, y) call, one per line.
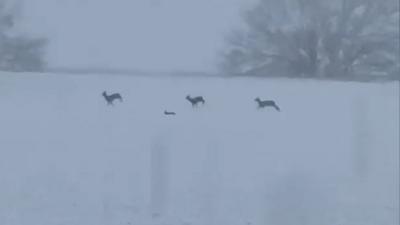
point(317, 38)
point(18, 52)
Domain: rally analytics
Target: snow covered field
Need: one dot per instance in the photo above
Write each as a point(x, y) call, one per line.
point(330, 157)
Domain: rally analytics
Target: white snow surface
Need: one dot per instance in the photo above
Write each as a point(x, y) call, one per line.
point(330, 157)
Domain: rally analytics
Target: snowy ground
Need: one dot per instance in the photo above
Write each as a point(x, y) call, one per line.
point(331, 157)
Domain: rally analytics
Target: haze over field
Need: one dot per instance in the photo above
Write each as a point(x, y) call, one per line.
point(151, 35)
point(99, 123)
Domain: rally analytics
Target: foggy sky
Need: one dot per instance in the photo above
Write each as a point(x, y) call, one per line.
point(152, 35)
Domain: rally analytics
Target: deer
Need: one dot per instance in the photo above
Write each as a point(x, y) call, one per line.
point(195, 100)
point(111, 98)
point(266, 103)
point(169, 113)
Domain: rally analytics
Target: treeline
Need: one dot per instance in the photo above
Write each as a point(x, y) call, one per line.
point(18, 52)
point(325, 39)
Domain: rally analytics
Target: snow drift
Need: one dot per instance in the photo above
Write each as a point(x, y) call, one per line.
point(329, 157)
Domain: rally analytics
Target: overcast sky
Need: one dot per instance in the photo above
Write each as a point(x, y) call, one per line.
point(153, 35)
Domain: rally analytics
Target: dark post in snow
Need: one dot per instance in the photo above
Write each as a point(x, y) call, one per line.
point(361, 138)
point(211, 172)
point(159, 178)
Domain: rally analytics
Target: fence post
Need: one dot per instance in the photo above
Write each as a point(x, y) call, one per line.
point(159, 177)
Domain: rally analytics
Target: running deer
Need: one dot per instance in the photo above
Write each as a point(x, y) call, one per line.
point(195, 100)
point(169, 113)
point(266, 103)
point(110, 98)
